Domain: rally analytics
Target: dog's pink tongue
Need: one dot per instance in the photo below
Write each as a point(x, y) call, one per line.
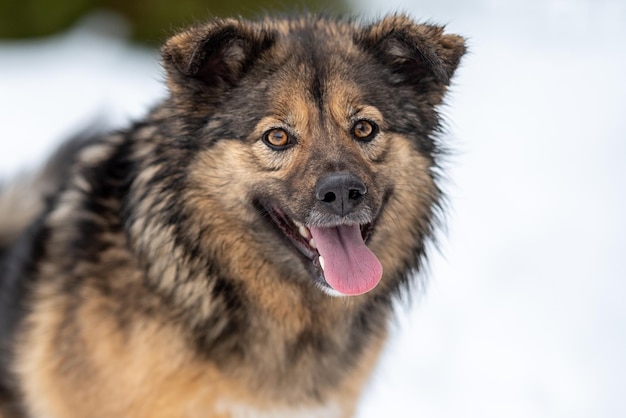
point(349, 266)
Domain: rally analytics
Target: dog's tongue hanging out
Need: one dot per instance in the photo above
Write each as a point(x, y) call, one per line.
point(349, 266)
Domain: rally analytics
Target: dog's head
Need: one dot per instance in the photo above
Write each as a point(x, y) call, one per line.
point(305, 149)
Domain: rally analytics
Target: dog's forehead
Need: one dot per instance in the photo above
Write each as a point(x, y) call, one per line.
point(306, 98)
point(322, 71)
point(319, 44)
point(312, 26)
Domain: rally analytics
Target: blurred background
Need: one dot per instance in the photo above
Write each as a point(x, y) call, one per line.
point(524, 312)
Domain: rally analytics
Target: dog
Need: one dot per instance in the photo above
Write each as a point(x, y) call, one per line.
point(237, 252)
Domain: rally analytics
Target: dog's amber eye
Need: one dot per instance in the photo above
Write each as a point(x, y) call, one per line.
point(277, 138)
point(364, 130)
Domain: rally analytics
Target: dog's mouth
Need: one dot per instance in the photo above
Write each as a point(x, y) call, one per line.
point(336, 254)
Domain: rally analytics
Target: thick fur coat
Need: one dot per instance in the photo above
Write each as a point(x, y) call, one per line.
point(237, 252)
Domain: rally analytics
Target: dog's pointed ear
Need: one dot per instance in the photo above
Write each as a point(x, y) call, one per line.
point(419, 54)
point(214, 56)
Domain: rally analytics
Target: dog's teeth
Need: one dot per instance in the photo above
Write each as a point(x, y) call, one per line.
point(321, 260)
point(312, 243)
point(304, 231)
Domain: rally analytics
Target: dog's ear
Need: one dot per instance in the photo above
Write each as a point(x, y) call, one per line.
point(214, 56)
point(418, 54)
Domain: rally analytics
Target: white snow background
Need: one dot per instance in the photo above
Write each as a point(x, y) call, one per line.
point(524, 314)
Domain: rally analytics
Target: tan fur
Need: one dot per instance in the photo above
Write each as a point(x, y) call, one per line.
point(151, 358)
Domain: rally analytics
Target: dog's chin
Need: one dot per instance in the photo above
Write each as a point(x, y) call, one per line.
point(297, 236)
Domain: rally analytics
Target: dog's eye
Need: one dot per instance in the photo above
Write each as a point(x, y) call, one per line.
point(364, 130)
point(277, 139)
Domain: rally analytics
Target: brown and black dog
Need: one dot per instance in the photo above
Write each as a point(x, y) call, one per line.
point(236, 253)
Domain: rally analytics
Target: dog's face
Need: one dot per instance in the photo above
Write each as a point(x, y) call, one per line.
point(314, 156)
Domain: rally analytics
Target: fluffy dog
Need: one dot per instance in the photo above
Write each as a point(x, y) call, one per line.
point(237, 252)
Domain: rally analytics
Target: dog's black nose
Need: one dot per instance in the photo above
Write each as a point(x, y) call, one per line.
point(341, 192)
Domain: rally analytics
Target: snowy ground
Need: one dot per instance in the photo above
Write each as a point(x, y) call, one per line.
point(523, 316)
